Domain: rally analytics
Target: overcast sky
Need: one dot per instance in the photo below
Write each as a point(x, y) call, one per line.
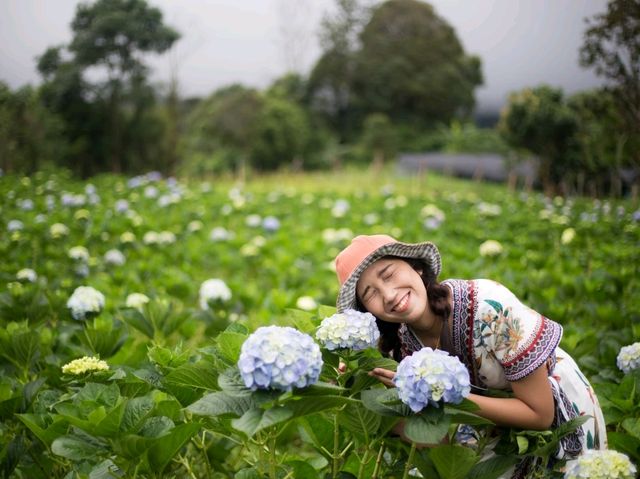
point(521, 42)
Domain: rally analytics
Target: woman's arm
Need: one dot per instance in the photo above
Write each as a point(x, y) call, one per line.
point(531, 408)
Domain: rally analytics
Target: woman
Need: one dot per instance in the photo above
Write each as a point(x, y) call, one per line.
point(503, 343)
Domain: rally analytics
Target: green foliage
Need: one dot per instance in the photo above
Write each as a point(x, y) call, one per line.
point(111, 123)
point(412, 67)
point(172, 402)
point(612, 47)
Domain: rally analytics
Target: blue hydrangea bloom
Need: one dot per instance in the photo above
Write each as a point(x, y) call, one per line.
point(276, 357)
point(350, 329)
point(431, 377)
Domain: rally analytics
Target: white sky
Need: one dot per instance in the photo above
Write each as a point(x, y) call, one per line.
point(521, 42)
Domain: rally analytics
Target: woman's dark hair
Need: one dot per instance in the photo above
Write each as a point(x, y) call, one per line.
point(437, 297)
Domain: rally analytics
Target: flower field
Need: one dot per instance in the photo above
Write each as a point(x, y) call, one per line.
point(126, 305)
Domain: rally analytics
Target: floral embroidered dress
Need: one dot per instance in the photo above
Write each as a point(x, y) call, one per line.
point(499, 340)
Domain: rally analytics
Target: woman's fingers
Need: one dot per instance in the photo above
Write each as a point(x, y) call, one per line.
point(384, 376)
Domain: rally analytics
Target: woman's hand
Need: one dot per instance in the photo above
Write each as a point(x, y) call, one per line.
point(385, 376)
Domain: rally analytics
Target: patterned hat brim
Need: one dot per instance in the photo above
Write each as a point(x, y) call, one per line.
point(425, 251)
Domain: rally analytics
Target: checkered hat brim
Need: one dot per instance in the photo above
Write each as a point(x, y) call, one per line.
point(427, 252)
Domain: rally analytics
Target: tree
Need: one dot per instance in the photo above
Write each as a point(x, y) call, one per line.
point(110, 37)
point(412, 67)
point(281, 135)
point(537, 119)
point(330, 86)
point(612, 47)
point(378, 139)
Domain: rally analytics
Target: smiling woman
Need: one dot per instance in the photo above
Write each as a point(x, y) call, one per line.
point(504, 344)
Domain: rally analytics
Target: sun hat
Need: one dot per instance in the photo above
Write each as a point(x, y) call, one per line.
point(365, 250)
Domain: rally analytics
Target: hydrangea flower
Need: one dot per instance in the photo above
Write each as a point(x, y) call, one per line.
point(213, 290)
point(84, 365)
point(253, 221)
point(490, 248)
point(166, 237)
point(306, 303)
point(601, 464)
point(27, 274)
point(15, 225)
point(629, 358)
point(84, 301)
point(271, 224)
point(219, 234)
point(567, 236)
point(276, 357)
point(114, 257)
point(350, 329)
point(136, 300)
point(79, 253)
point(430, 376)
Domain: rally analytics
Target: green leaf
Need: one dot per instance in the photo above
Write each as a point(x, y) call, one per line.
point(359, 420)
point(229, 344)
point(139, 321)
point(625, 443)
point(221, 404)
point(385, 402)
point(45, 427)
point(632, 426)
point(135, 412)
point(302, 469)
point(428, 427)
point(75, 448)
point(492, 468)
point(230, 381)
point(164, 448)
point(107, 469)
point(495, 305)
point(453, 461)
point(199, 375)
point(523, 444)
point(318, 429)
point(324, 311)
point(256, 419)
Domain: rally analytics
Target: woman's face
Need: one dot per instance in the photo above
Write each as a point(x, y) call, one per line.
point(393, 291)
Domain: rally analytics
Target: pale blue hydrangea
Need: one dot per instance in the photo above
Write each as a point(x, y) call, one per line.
point(271, 224)
point(629, 358)
point(85, 301)
point(430, 377)
point(350, 329)
point(276, 357)
point(600, 464)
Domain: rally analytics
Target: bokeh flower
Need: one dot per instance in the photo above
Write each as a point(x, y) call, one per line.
point(79, 253)
point(276, 357)
point(213, 290)
point(58, 230)
point(629, 358)
point(27, 274)
point(85, 301)
point(490, 248)
point(15, 225)
point(114, 257)
point(350, 329)
point(271, 224)
point(567, 236)
point(306, 303)
point(600, 464)
point(429, 377)
point(220, 234)
point(136, 300)
point(84, 365)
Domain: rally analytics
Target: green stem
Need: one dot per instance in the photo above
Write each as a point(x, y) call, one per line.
point(272, 456)
point(363, 463)
point(336, 454)
point(376, 469)
point(203, 447)
point(407, 466)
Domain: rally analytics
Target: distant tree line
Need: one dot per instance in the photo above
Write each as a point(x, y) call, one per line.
point(390, 77)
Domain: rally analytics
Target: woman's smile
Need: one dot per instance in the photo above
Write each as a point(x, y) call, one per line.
point(402, 305)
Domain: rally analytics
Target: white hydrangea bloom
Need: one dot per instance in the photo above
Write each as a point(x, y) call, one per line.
point(84, 365)
point(253, 221)
point(306, 303)
point(150, 237)
point(488, 209)
point(27, 274)
point(79, 253)
point(490, 248)
point(84, 301)
point(629, 358)
point(15, 225)
point(114, 257)
point(136, 300)
point(350, 329)
point(600, 464)
point(127, 237)
point(166, 237)
point(220, 234)
point(213, 290)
